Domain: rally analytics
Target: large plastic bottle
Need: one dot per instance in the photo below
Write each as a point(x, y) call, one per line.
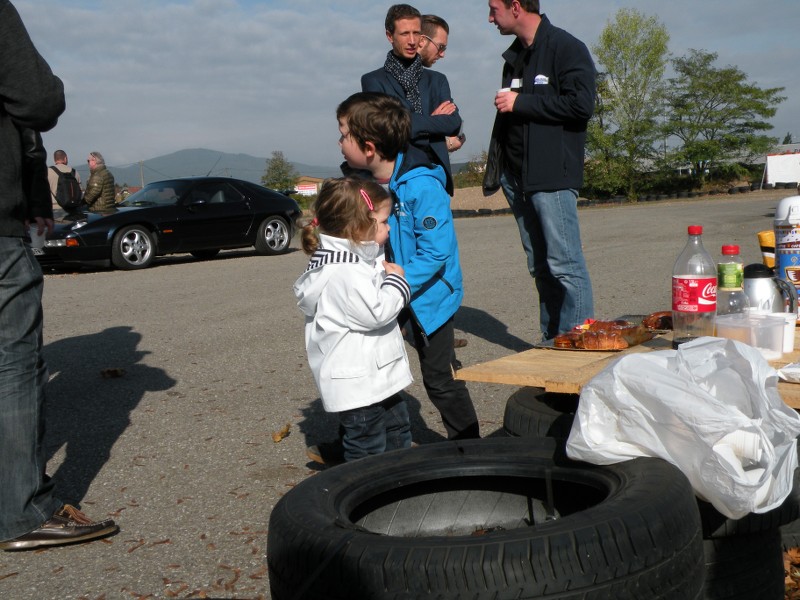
point(694, 291)
point(731, 298)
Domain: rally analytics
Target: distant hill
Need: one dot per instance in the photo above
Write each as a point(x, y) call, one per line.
point(201, 161)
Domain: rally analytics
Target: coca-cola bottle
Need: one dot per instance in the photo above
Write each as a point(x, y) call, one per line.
point(694, 291)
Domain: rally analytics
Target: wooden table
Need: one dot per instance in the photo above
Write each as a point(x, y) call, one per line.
point(567, 371)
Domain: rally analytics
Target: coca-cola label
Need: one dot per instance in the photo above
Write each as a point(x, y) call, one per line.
point(694, 294)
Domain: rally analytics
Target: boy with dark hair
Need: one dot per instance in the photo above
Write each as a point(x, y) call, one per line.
point(375, 131)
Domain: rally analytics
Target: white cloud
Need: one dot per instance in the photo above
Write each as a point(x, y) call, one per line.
point(150, 77)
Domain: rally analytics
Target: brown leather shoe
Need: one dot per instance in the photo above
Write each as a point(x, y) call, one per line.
point(67, 526)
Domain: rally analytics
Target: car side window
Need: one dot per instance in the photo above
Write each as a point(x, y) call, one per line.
point(216, 193)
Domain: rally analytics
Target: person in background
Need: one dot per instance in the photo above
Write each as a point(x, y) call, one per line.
point(432, 46)
point(31, 99)
point(425, 93)
point(100, 192)
point(536, 155)
point(351, 297)
point(60, 163)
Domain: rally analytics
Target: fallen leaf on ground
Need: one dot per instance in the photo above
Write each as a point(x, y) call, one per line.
point(277, 436)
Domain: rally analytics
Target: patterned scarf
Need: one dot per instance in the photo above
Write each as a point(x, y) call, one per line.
point(408, 77)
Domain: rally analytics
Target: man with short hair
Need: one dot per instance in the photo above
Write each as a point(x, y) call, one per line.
point(60, 162)
point(432, 46)
point(536, 155)
point(425, 93)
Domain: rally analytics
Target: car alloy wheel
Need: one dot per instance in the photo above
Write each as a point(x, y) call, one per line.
point(274, 236)
point(134, 248)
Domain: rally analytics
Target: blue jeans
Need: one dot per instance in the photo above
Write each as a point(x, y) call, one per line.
point(551, 237)
point(26, 493)
point(376, 428)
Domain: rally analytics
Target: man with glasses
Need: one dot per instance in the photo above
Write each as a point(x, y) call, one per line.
point(432, 46)
point(425, 93)
point(100, 190)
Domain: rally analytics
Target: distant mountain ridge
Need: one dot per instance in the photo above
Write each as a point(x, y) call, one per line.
point(201, 162)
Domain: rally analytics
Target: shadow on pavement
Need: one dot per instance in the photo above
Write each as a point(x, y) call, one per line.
point(483, 325)
point(96, 381)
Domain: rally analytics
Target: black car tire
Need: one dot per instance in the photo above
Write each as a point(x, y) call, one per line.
point(491, 518)
point(205, 254)
point(134, 247)
point(274, 236)
point(747, 567)
point(532, 412)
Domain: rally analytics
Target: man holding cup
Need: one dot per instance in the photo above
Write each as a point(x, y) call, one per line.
point(536, 155)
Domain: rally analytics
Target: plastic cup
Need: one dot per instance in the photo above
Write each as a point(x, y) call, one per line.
point(503, 90)
point(745, 444)
point(37, 241)
point(790, 320)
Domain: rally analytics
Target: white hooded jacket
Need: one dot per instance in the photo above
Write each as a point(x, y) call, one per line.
point(355, 349)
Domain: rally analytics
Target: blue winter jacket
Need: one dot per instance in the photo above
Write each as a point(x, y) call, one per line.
point(423, 239)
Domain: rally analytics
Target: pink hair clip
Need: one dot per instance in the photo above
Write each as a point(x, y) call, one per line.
point(314, 222)
point(366, 198)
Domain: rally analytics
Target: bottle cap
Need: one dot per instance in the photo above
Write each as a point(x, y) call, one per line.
point(730, 249)
point(695, 229)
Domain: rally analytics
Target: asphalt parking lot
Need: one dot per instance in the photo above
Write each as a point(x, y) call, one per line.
point(167, 385)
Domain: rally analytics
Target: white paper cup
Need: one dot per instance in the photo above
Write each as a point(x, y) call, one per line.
point(503, 90)
point(37, 241)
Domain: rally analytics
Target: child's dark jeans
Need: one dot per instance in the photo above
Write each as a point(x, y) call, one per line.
point(376, 428)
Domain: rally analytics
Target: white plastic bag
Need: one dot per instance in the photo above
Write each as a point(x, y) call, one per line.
point(679, 405)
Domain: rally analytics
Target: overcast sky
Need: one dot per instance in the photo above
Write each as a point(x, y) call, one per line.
point(145, 78)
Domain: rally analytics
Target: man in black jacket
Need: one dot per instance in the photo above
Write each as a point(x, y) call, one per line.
point(536, 155)
point(31, 100)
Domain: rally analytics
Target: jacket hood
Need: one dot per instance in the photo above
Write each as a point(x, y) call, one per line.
point(408, 164)
point(332, 250)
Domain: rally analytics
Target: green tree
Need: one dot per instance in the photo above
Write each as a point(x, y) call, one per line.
point(604, 166)
point(279, 174)
point(632, 50)
point(717, 114)
point(787, 138)
point(472, 173)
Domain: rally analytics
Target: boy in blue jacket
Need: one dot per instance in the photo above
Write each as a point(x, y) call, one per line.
point(375, 131)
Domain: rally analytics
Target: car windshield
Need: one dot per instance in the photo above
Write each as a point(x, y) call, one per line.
point(163, 193)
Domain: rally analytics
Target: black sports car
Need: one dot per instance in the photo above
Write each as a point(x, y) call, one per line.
point(199, 215)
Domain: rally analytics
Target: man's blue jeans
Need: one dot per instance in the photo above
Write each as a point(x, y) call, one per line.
point(551, 237)
point(26, 494)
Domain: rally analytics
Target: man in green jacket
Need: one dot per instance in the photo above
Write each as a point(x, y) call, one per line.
point(100, 192)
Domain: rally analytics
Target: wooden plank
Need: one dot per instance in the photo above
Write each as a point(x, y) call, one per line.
point(567, 372)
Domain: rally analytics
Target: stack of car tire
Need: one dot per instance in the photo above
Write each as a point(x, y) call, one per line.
point(514, 517)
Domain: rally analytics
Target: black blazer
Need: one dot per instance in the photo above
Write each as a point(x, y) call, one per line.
point(426, 130)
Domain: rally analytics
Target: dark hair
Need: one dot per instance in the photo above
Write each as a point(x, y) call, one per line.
point(531, 6)
point(59, 155)
point(400, 11)
point(430, 23)
point(377, 118)
point(341, 210)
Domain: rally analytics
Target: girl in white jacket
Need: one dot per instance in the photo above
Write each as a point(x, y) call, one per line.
point(351, 297)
